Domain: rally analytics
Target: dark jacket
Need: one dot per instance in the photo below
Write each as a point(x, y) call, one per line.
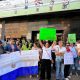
point(9, 48)
point(2, 50)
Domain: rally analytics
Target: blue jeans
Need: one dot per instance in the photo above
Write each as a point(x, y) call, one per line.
point(75, 66)
point(59, 70)
point(79, 62)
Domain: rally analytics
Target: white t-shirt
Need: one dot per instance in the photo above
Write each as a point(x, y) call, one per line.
point(46, 53)
point(58, 49)
point(33, 48)
point(54, 49)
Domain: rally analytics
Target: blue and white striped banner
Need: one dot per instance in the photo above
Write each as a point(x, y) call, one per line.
point(18, 64)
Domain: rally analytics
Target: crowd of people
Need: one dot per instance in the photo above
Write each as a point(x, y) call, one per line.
point(63, 57)
point(12, 45)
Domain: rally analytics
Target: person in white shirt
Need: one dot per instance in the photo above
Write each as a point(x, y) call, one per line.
point(46, 61)
point(68, 61)
point(53, 55)
point(60, 50)
point(35, 47)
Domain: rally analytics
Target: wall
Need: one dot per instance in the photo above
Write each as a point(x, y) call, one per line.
point(14, 29)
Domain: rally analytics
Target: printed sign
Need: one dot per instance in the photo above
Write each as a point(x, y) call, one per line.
point(72, 38)
point(68, 58)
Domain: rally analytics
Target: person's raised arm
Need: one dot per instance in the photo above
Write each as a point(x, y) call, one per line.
point(52, 44)
point(41, 44)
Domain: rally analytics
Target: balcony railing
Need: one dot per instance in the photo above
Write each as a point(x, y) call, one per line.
point(10, 5)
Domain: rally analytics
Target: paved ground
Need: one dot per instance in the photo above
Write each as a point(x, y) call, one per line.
point(74, 77)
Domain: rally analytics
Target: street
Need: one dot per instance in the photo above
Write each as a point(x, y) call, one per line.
point(74, 77)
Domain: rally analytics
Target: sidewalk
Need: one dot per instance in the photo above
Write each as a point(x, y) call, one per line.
point(74, 77)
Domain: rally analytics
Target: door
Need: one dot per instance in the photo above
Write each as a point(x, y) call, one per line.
point(34, 35)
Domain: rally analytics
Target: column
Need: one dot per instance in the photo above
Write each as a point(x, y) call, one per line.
point(3, 30)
